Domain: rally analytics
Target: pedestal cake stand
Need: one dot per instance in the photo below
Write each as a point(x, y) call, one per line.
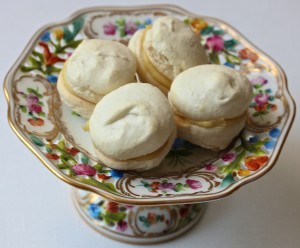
point(159, 204)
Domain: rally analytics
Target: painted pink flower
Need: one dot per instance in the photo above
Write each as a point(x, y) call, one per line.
point(259, 80)
point(32, 99)
point(84, 169)
point(210, 167)
point(228, 157)
point(122, 226)
point(261, 99)
point(109, 28)
point(165, 186)
point(35, 108)
point(194, 184)
point(215, 43)
point(130, 27)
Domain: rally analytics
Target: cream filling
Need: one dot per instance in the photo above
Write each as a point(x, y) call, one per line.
point(149, 156)
point(209, 124)
point(156, 74)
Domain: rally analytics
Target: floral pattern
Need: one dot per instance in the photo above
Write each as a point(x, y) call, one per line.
point(165, 186)
point(151, 219)
point(263, 101)
point(34, 106)
point(221, 50)
point(55, 47)
point(111, 213)
point(125, 27)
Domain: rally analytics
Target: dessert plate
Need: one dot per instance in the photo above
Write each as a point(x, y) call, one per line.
point(189, 174)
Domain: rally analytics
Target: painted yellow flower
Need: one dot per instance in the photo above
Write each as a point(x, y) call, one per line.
point(58, 33)
point(198, 24)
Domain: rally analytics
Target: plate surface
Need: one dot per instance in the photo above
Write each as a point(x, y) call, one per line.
point(188, 174)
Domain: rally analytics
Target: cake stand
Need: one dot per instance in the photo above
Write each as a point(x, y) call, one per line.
point(160, 204)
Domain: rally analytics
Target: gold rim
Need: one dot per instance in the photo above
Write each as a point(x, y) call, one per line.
point(162, 201)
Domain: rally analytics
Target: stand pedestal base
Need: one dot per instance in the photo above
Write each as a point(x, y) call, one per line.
point(136, 224)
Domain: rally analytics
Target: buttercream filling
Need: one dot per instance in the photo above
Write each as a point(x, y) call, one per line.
point(211, 123)
point(68, 85)
point(155, 73)
point(149, 156)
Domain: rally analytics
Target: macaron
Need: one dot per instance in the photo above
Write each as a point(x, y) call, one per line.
point(210, 104)
point(133, 127)
point(166, 49)
point(94, 69)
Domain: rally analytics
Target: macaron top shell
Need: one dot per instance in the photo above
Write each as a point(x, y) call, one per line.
point(131, 121)
point(172, 46)
point(210, 92)
point(99, 66)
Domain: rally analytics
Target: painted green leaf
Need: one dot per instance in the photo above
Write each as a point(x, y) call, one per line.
point(36, 140)
point(186, 21)
point(219, 32)
point(271, 98)
point(99, 169)
point(42, 114)
point(50, 69)
point(26, 69)
point(61, 144)
point(84, 159)
point(77, 25)
point(208, 30)
point(260, 113)
point(35, 92)
point(178, 187)
point(75, 114)
point(74, 43)
point(48, 149)
point(214, 58)
point(115, 217)
point(39, 55)
point(101, 185)
point(23, 108)
point(142, 218)
point(68, 35)
point(232, 59)
point(34, 62)
point(252, 105)
point(121, 22)
point(229, 44)
point(257, 86)
point(228, 179)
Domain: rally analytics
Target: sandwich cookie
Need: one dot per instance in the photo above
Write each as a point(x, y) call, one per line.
point(133, 127)
point(210, 103)
point(94, 69)
point(166, 49)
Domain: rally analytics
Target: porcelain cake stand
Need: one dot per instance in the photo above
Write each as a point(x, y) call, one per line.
point(159, 204)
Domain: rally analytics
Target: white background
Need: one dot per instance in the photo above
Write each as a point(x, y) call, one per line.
point(36, 208)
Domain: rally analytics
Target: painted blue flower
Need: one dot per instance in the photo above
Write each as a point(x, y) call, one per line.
point(270, 144)
point(148, 21)
point(274, 133)
point(141, 26)
point(45, 37)
point(229, 64)
point(52, 79)
point(94, 210)
point(268, 91)
point(116, 173)
point(253, 139)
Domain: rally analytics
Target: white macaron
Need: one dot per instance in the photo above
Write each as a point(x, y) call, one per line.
point(165, 50)
point(133, 127)
point(210, 103)
point(94, 69)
